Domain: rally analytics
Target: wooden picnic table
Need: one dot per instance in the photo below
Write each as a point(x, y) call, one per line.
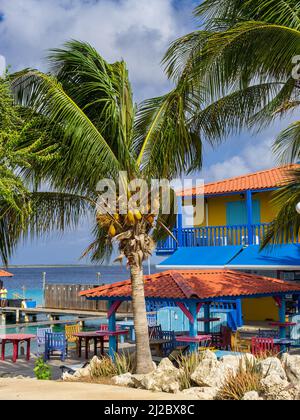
point(16, 339)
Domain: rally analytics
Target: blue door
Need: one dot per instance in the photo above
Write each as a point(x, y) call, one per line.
point(236, 212)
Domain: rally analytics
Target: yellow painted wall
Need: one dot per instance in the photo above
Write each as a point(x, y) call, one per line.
point(217, 209)
point(262, 309)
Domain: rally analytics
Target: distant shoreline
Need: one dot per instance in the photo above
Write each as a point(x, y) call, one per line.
point(55, 266)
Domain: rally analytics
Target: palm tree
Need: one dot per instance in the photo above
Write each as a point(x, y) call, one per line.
point(100, 132)
point(246, 53)
point(22, 146)
point(286, 226)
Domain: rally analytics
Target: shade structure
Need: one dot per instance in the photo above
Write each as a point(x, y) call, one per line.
point(4, 273)
point(277, 257)
point(206, 257)
point(198, 286)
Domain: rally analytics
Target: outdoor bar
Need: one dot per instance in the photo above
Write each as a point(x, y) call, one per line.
point(190, 290)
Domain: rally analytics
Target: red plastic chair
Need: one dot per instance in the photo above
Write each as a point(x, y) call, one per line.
point(261, 345)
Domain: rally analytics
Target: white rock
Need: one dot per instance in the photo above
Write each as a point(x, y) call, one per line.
point(233, 363)
point(276, 388)
point(252, 396)
point(210, 372)
point(201, 393)
point(123, 380)
point(292, 368)
point(83, 373)
point(272, 366)
point(165, 378)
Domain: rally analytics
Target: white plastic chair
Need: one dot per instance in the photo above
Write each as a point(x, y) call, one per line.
point(40, 339)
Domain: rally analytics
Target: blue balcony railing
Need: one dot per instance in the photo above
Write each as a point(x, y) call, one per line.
point(213, 236)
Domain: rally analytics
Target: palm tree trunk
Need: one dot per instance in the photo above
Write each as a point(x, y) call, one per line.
point(144, 362)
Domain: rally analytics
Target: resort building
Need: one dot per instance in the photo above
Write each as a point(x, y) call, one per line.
point(237, 214)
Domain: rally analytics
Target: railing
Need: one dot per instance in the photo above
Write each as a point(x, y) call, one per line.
point(214, 236)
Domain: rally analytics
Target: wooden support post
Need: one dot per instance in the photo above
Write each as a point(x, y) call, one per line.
point(3, 318)
point(207, 316)
point(112, 327)
point(17, 317)
point(193, 324)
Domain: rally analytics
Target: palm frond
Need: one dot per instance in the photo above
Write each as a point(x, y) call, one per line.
point(287, 144)
point(286, 226)
point(250, 51)
point(86, 147)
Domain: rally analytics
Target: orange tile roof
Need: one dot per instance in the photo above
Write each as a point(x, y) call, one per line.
point(199, 284)
point(268, 179)
point(5, 274)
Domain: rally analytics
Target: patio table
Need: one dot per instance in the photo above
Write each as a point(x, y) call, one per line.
point(130, 326)
point(102, 334)
point(208, 319)
point(87, 337)
point(193, 340)
point(16, 339)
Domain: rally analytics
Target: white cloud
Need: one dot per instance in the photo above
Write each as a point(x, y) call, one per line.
point(137, 30)
point(2, 65)
point(254, 157)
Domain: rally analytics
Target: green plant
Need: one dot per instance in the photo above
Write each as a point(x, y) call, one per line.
point(42, 371)
point(105, 367)
point(248, 378)
point(124, 363)
point(187, 365)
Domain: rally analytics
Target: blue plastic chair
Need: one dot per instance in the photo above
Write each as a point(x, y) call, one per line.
point(55, 342)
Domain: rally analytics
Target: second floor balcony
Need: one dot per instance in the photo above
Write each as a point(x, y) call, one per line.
point(213, 236)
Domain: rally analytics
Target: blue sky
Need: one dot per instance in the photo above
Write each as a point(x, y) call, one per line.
point(139, 31)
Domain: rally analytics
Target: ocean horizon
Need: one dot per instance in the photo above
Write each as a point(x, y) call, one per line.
point(28, 280)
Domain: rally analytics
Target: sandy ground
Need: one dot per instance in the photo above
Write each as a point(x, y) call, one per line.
point(31, 389)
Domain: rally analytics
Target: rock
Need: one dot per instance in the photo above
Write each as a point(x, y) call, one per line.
point(252, 396)
point(292, 368)
point(276, 388)
point(201, 393)
point(165, 378)
point(210, 372)
point(123, 380)
point(83, 372)
point(233, 363)
point(272, 366)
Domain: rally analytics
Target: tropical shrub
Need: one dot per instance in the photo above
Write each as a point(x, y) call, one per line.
point(42, 371)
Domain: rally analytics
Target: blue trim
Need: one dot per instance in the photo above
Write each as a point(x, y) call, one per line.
point(216, 299)
point(112, 340)
point(193, 325)
point(207, 315)
point(179, 222)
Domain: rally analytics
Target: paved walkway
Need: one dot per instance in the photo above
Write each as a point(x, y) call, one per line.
point(31, 389)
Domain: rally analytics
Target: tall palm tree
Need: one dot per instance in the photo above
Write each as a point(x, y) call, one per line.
point(22, 146)
point(100, 132)
point(247, 51)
